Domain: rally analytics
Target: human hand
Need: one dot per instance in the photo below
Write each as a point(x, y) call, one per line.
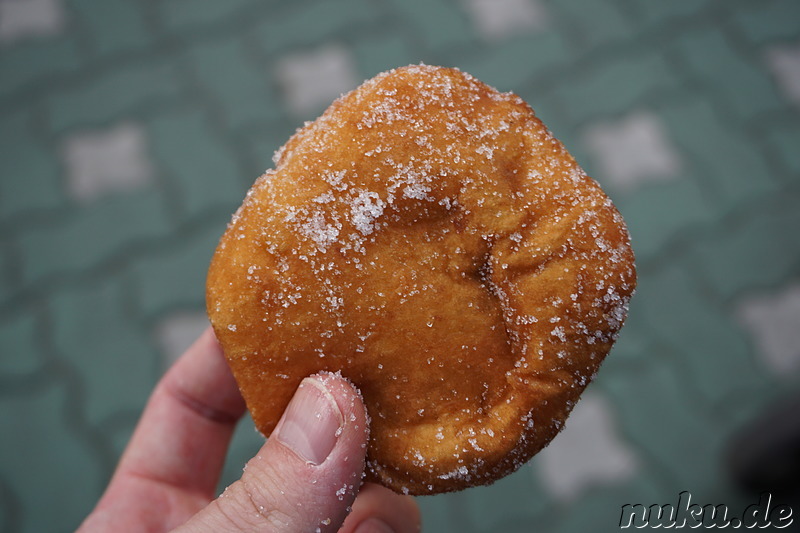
point(305, 478)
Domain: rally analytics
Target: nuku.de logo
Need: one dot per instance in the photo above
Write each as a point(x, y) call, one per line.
point(687, 514)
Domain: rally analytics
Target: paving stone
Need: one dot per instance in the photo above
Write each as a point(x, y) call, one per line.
point(177, 331)
point(784, 62)
point(88, 236)
point(239, 85)
point(498, 19)
point(563, 127)
point(537, 52)
point(547, 106)
point(7, 281)
point(436, 513)
point(260, 145)
point(35, 62)
point(773, 321)
point(712, 59)
point(92, 331)
point(9, 509)
point(29, 169)
point(110, 160)
point(518, 498)
point(114, 94)
point(195, 158)
point(600, 509)
point(436, 24)
point(182, 15)
point(175, 278)
point(311, 24)
point(383, 52)
point(312, 80)
point(720, 149)
point(659, 212)
point(454, 515)
point(764, 22)
point(633, 150)
point(21, 19)
point(665, 422)
point(588, 452)
point(739, 411)
point(714, 240)
point(47, 458)
point(617, 84)
point(113, 25)
point(633, 344)
point(580, 18)
point(756, 251)
point(21, 354)
point(656, 13)
point(711, 349)
point(785, 139)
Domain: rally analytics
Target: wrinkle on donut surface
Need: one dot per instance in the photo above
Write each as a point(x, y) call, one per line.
point(430, 239)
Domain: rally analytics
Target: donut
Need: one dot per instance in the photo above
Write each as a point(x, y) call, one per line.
point(428, 238)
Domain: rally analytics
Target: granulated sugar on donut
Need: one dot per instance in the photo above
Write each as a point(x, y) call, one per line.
point(428, 238)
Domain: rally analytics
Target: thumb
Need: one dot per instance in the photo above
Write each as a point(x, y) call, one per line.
point(307, 474)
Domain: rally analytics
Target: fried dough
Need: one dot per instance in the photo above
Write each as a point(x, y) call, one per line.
point(430, 239)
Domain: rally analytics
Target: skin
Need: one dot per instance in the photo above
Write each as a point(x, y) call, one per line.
point(167, 476)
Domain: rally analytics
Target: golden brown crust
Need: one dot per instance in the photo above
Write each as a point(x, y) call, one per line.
point(428, 237)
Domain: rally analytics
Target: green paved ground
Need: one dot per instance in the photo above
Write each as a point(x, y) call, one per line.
point(130, 130)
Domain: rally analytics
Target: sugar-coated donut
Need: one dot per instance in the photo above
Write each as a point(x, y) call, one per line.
point(430, 239)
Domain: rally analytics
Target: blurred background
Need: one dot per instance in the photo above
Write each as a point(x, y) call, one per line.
point(131, 129)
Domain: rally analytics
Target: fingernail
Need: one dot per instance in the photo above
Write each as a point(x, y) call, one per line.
point(310, 425)
point(373, 525)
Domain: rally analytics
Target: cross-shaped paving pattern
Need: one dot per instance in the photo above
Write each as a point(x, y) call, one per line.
point(131, 129)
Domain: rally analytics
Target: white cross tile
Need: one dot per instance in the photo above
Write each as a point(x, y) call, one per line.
point(104, 161)
point(588, 452)
point(497, 19)
point(312, 80)
point(30, 18)
point(773, 321)
point(177, 332)
point(784, 61)
point(632, 150)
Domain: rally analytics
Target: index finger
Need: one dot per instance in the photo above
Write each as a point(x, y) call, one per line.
point(182, 437)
